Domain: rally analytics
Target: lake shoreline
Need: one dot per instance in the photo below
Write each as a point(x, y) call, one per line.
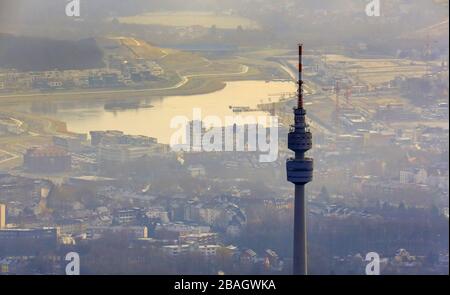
point(83, 116)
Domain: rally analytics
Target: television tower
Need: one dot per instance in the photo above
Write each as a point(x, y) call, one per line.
point(300, 172)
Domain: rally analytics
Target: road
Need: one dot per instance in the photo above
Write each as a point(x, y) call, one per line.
point(293, 75)
point(313, 95)
point(12, 156)
point(184, 80)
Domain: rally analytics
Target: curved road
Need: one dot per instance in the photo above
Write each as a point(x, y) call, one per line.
point(184, 81)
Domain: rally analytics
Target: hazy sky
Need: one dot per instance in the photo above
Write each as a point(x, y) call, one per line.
point(25, 16)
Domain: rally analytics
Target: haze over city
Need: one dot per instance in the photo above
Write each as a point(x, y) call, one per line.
point(90, 161)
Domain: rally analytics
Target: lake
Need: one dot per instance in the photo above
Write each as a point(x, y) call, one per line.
point(83, 116)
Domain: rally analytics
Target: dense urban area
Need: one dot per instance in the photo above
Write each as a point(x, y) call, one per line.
point(377, 101)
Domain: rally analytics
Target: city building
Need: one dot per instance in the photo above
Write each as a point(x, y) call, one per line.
point(272, 259)
point(90, 180)
point(97, 136)
point(51, 159)
point(122, 153)
point(115, 137)
point(128, 216)
point(134, 232)
point(182, 229)
point(159, 214)
point(73, 143)
point(23, 242)
point(201, 238)
point(177, 250)
point(208, 250)
point(248, 256)
point(183, 249)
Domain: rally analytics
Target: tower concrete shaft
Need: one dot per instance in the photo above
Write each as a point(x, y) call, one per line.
point(300, 172)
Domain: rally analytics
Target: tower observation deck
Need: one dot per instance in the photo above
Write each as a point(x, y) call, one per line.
point(300, 172)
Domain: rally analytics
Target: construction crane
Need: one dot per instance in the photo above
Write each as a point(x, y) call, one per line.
point(348, 94)
point(337, 110)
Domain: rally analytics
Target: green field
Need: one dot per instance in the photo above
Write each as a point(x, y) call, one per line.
point(191, 18)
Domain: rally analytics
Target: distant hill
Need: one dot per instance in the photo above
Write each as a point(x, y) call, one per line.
point(436, 31)
point(436, 36)
point(442, 2)
point(39, 54)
